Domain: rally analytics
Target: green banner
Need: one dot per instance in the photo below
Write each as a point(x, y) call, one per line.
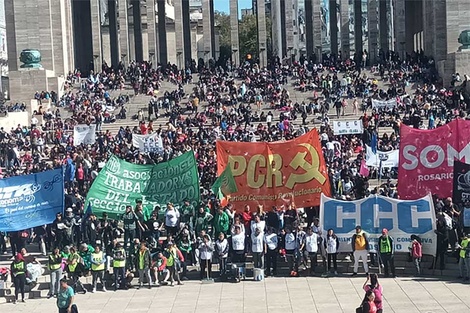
point(121, 183)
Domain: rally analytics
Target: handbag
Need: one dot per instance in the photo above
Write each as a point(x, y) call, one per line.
point(359, 309)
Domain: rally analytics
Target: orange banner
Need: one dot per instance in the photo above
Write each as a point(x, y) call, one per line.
point(278, 173)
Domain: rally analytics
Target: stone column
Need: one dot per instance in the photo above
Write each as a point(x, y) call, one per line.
point(358, 27)
point(138, 40)
point(13, 53)
point(234, 39)
point(345, 40)
point(276, 28)
point(283, 25)
point(187, 33)
point(384, 29)
point(113, 32)
point(400, 27)
point(151, 31)
point(106, 44)
point(207, 29)
point(414, 20)
point(310, 47)
point(161, 29)
point(70, 35)
point(333, 11)
point(289, 13)
point(96, 34)
point(372, 17)
point(440, 29)
point(262, 34)
point(123, 32)
point(179, 44)
point(317, 32)
point(59, 40)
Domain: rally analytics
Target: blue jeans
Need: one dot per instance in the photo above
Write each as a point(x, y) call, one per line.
point(56, 276)
point(119, 277)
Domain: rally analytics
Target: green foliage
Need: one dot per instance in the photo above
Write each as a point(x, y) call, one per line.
point(248, 35)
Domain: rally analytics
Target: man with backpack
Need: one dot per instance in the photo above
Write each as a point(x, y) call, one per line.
point(360, 248)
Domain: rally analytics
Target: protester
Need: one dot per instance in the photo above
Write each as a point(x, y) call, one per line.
point(65, 298)
point(219, 107)
point(416, 253)
point(205, 253)
point(332, 248)
point(360, 248)
point(55, 268)
point(377, 290)
point(464, 261)
point(18, 272)
point(386, 252)
point(98, 260)
point(143, 261)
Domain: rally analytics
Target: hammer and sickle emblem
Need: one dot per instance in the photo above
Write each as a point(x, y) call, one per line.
point(311, 170)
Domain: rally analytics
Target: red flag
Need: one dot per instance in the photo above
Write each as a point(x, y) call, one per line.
point(364, 171)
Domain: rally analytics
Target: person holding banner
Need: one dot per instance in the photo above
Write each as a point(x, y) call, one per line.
point(360, 248)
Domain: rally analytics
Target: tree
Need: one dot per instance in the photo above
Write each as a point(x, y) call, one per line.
point(248, 36)
point(222, 21)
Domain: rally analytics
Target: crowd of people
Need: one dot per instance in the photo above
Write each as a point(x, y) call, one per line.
point(247, 103)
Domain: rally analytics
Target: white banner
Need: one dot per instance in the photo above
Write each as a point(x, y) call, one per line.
point(402, 218)
point(84, 134)
point(148, 143)
point(380, 104)
point(347, 127)
point(389, 158)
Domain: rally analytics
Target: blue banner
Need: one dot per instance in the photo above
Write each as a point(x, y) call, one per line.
point(31, 200)
point(402, 218)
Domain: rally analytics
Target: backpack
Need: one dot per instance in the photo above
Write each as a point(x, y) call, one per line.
point(360, 241)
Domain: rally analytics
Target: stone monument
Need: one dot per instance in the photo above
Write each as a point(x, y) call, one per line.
point(31, 77)
point(464, 40)
point(457, 62)
point(30, 58)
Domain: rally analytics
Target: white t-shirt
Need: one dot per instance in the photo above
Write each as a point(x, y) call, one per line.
point(171, 218)
point(238, 242)
point(271, 241)
point(290, 241)
point(257, 243)
point(331, 245)
point(311, 243)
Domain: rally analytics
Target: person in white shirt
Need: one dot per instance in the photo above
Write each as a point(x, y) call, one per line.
point(257, 223)
point(269, 119)
point(332, 246)
point(237, 254)
point(317, 229)
point(205, 256)
point(290, 242)
point(171, 219)
point(271, 242)
point(311, 248)
point(257, 248)
point(221, 251)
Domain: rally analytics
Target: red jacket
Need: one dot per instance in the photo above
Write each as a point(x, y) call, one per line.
point(416, 249)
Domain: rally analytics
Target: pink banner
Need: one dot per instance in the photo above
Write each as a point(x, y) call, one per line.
point(427, 158)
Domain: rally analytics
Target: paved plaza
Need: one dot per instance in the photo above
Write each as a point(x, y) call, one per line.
point(313, 294)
